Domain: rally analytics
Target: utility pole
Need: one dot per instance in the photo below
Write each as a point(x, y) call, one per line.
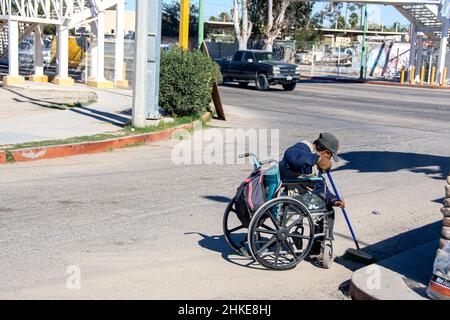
point(363, 49)
point(147, 61)
point(201, 23)
point(184, 24)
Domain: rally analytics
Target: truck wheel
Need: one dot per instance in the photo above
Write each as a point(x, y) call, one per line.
point(262, 83)
point(289, 86)
point(243, 84)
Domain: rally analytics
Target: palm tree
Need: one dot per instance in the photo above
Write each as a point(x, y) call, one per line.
point(353, 20)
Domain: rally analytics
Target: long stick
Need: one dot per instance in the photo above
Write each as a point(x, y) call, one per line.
point(343, 210)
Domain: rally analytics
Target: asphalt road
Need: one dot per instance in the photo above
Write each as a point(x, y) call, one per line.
point(139, 226)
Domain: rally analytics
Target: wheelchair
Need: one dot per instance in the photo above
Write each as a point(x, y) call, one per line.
point(283, 230)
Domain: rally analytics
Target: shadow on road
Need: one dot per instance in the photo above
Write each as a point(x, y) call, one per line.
point(388, 161)
point(397, 245)
point(217, 243)
point(220, 199)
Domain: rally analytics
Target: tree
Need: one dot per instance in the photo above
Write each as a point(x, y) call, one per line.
point(341, 23)
point(272, 17)
point(353, 20)
point(242, 25)
point(224, 17)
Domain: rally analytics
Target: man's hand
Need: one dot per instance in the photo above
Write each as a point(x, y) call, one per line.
point(340, 204)
point(324, 164)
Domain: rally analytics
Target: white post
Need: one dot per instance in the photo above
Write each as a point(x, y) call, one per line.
point(313, 59)
point(120, 48)
point(101, 46)
point(443, 49)
point(412, 48)
point(93, 50)
point(63, 56)
point(38, 56)
point(100, 82)
point(13, 77)
point(419, 58)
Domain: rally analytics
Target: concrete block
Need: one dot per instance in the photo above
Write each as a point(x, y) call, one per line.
point(64, 81)
point(445, 233)
point(100, 84)
point(13, 81)
point(445, 212)
point(34, 78)
point(123, 84)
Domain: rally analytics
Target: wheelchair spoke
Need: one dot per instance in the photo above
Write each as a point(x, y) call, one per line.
point(298, 235)
point(266, 231)
point(237, 228)
point(277, 252)
point(267, 227)
point(267, 245)
point(291, 250)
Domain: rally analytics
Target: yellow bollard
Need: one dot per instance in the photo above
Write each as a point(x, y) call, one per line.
point(402, 76)
point(444, 76)
point(433, 75)
point(422, 74)
point(412, 75)
point(184, 25)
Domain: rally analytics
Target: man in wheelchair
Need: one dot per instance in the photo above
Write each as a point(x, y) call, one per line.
point(307, 159)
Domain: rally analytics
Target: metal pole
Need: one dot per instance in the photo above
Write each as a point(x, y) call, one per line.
point(184, 24)
point(313, 59)
point(201, 23)
point(339, 61)
point(147, 61)
point(363, 49)
point(430, 65)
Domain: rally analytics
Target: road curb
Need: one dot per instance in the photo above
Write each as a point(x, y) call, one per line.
point(66, 150)
point(2, 157)
point(380, 83)
point(388, 279)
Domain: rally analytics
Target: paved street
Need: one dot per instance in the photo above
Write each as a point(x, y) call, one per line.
point(139, 226)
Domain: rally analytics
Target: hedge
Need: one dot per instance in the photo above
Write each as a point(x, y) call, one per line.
point(186, 82)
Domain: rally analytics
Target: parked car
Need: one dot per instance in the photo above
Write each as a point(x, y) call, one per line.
point(259, 66)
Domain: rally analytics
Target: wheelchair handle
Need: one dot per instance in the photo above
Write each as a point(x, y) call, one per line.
point(246, 155)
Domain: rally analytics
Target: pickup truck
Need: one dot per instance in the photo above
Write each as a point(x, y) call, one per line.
point(258, 66)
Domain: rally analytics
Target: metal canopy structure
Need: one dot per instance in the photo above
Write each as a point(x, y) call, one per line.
point(21, 18)
point(429, 18)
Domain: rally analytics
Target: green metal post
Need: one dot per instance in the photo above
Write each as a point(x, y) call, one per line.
point(363, 49)
point(201, 23)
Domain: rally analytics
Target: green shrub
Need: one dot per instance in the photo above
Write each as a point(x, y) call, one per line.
point(186, 82)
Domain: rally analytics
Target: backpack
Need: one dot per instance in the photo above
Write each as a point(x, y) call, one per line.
point(250, 195)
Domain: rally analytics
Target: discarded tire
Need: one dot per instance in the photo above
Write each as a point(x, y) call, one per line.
point(446, 222)
point(446, 202)
point(446, 212)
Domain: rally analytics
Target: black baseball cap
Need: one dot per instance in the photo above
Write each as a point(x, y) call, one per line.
point(331, 143)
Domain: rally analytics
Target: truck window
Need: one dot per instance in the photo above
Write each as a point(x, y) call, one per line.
point(238, 56)
point(248, 56)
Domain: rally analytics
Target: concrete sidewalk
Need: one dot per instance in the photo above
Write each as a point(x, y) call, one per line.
point(35, 112)
point(401, 277)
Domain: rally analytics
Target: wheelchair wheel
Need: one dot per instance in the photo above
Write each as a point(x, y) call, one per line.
point(234, 231)
point(281, 233)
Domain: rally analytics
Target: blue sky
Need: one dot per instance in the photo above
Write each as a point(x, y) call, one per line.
point(377, 13)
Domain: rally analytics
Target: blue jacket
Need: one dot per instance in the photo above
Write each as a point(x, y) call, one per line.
point(301, 160)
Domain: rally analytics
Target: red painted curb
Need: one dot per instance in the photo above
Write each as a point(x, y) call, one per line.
point(58, 151)
point(2, 157)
